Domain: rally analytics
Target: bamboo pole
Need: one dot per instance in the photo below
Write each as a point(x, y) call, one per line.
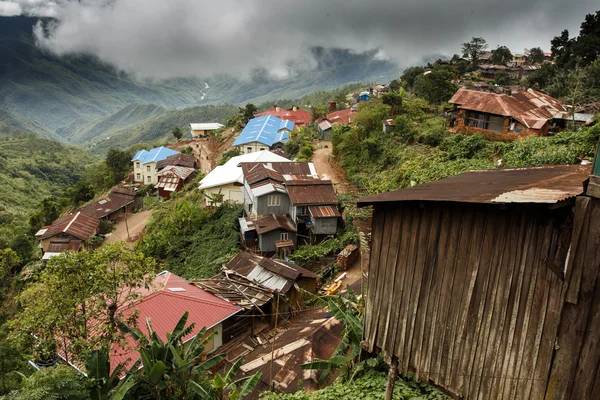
point(273, 345)
point(391, 378)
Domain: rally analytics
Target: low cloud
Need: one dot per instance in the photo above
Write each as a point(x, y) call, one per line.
point(9, 9)
point(182, 38)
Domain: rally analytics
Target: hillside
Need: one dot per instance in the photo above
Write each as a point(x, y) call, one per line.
point(64, 94)
point(32, 168)
point(155, 127)
point(10, 122)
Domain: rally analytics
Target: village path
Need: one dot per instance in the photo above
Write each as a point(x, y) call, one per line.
point(136, 223)
point(322, 160)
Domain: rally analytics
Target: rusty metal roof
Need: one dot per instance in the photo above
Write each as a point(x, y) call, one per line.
point(244, 262)
point(257, 171)
point(274, 222)
point(549, 184)
point(236, 289)
point(108, 205)
point(324, 211)
point(58, 246)
point(311, 192)
point(78, 225)
point(181, 160)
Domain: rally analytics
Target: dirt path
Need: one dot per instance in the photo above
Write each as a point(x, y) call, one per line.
point(321, 159)
point(136, 223)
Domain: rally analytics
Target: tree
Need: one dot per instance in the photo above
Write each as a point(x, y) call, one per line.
point(61, 382)
point(473, 49)
point(541, 78)
point(410, 75)
point(318, 111)
point(394, 86)
point(247, 113)
point(536, 55)
point(10, 262)
point(393, 100)
point(81, 193)
point(501, 55)
point(502, 78)
point(436, 86)
point(78, 291)
point(561, 47)
point(118, 163)
point(177, 132)
point(587, 45)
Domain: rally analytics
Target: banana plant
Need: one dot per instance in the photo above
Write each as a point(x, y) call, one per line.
point(104, 384)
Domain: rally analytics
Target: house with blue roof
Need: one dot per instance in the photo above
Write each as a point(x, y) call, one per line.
point(264, 133)
point(144, 164)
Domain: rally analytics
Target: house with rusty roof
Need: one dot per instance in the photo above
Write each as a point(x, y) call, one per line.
point(67, 233)
point(172, 179)
point(486, 283)
point(296, 115)
point(111, 207)
point(503, 116)
point(284, 202)
point(251, 281)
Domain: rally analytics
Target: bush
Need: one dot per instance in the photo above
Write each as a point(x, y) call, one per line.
point(460, 146)
point(307, 253)
point(106, 226)
point(187, 150)
point(228, 155)
point(56, 383)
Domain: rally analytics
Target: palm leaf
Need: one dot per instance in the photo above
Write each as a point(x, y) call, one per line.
point(200, 391)
point(250, 384)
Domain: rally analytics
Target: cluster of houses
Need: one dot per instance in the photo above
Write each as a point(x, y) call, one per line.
point(165, 168)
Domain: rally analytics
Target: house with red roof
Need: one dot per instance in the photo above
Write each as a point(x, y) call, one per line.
point(297, 116)
point(167, 299)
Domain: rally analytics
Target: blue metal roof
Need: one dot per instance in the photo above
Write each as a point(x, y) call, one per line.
point(265, 130)
point(154, 155)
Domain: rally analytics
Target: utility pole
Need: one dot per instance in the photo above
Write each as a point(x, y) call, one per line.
point(273, 344)
point(126, 226)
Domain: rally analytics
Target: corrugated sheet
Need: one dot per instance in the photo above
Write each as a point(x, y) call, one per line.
point(256, 171)
point(298, 117)
point(154, 155)
point(341, 117)
point(315, 192)
point(264, 130)
point(58, 246)
point(274, 222)
point(176, 171)
point(181, 160)
point(324, 211)
point(108, 205)
point(236, 289)
point(206, 126)
point(78, 225)
point(269, 279)
point(549, 184)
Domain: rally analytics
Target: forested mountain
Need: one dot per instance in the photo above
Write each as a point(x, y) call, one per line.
point(10, 122)
point(64, 94)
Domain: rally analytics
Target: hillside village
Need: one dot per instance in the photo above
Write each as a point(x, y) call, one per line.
point(435, 237)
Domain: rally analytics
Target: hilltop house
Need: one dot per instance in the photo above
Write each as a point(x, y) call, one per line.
point(297, 116)
point(177, 160)
point(202, 130)
point(225, 182)
point(264, 133)
point(67, 233)
point(145, 169)
point(364, 96)
point(501, 116)
point(285, 201)
point(340, 117)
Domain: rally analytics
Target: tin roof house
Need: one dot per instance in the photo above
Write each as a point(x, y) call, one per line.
point(145, 169)
point(67, 233)
point(284, 202)
point(264, 133)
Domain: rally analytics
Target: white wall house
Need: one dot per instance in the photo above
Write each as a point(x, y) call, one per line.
point(144, 164)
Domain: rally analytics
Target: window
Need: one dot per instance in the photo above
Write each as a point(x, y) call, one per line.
point(302, 211)
point(137, 164)
point(138, 177)
point(285, 236)
point(249, 150)
point(148, 179)
point(147, 168)
point(273, 201)
point(262, 149)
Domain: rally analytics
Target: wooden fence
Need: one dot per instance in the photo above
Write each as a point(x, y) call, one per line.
point(477, 300)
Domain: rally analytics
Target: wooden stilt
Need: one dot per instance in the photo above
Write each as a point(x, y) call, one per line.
point(391, 379)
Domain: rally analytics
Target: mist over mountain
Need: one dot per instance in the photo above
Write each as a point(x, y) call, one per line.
point(63, 93)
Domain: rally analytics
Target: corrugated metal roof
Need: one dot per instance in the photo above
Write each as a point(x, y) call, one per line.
point(274, 222)
point(343, 117)
point(176, 171)
point(325, 125)
point(265, 130)
point(298, 117)
point(108, 205)
point(324, 211)
point(58, 246)
point(206, 126)
point(154, 155)
point(268, 278)
point(236, 289)
point(256, 171)
point(311, 192)
point(78, 225)
point(181, 160)
point(549, 184)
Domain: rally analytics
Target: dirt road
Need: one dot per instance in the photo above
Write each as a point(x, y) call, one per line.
point(321, 159)
point(136, 223)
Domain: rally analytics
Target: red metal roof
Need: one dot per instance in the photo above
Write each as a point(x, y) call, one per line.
point(341, 117)
point(324, 211)
point(549, 184)
point(77, 224)
point(298, 117)
point(169, 297)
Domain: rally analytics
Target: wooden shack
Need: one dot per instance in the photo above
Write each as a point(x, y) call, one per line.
point(486, 284)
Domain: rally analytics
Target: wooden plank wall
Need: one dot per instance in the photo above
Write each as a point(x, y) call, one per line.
point(470, 296)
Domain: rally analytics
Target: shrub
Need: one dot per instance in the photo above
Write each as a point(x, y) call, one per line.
point(460, 146)
point(106, 226)
point(187, 150)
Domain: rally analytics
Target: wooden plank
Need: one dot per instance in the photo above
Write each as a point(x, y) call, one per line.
point(478, 371)
point(374, 275)
point(382, 291)
point(416, 287)
point(463, 338)
point(536, 313)
point(421, 315)
point(407, 288)
point(519, 238)
point(573, 272)
point(433, 331)
point(520, 311)
point(440, 355)
point(391, 272)
point(589, 357)
point(464, 243)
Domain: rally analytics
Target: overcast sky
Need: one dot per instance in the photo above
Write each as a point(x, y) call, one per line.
point(182, 38)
